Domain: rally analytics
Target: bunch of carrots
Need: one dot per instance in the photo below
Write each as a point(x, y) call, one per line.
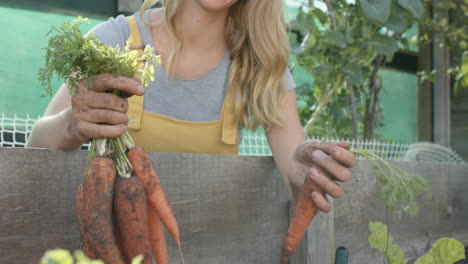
point(121, 205)
point(122, 217)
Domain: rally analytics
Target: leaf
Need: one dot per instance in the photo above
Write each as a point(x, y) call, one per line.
point(354, 72)
point(297, 35)
point(398, 20)
point(57, 256)
point(414, 6)
point(378, 236)
point(384, 45)
point(335, 38)
point(323, 68)
point(380, 239)
point(311, 41)
point(138, 259)
point(377, 11)
point(306, 20)
point(301, 104)
point(444, 251)
point(405, 43)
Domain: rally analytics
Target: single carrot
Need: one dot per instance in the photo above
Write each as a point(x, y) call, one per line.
point(118, 236)
point(143, 169)
point(80, 216)
point(157, 238)
point(132, 216)
point(303, 216)
point(97, 196)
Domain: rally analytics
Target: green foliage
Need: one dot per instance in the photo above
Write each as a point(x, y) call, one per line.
point(347, 40)
point(444, 250)
point(380, 239)
point(398, 189)
point(415, 7)
point(71, 56)
point(384, 45)
point(451, 34)
point(377, 11)
point(62, 256)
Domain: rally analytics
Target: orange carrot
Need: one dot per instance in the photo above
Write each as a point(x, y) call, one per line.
point(143, 169)
point(118, 236)
point(95, 204)
point(80, 213)
point(157, 238)
point(132, 216)
point(303, 216)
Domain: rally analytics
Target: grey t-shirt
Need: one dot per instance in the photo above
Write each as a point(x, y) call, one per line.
point(198, 100)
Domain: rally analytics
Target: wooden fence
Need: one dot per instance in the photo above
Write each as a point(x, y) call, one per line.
point(231, 209)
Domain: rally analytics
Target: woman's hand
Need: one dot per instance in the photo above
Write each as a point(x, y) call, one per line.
point(94, 113)
point(326, 164)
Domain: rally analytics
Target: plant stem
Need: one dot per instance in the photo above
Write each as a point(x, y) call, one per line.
point(323, 102)
point(332, 14)
point(322, 105)
point(354, 112)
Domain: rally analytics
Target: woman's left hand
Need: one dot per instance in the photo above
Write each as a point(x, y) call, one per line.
point(326, 164)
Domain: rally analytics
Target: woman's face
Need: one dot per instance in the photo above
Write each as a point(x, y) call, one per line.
point(215, 5)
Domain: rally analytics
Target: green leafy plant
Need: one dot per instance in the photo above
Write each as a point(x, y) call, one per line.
point(62, 256)
point(345, 45)
point(398, 189)
point(444, 250)
point(72, 56)
point(380, 239)
point(344, 48)
point(448, 32)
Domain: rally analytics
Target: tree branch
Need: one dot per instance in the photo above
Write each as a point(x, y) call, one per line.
point(372, 98)
point(332, 14)
point(354, 113)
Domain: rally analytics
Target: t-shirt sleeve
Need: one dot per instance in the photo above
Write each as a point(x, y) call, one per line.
point(114, 32)
point(290, 84)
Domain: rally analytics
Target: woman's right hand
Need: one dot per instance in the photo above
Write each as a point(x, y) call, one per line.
point(96, 113)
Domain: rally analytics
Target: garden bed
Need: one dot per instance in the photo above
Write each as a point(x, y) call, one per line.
point(231, 209)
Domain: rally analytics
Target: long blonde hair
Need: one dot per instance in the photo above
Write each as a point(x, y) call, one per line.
point(258, 43)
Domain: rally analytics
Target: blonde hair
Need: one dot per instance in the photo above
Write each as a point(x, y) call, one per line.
point(258, 43)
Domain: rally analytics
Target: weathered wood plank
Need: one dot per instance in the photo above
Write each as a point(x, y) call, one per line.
point(444, 210)
point(441, 88)
point(231, 209)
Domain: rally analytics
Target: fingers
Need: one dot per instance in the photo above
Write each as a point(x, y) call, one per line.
point(321, 202)
point(101, 116)
point(343, 144)
point(107, 101)
point(330, 165)
point(344, 156)
point(304, 150)
point(104, 82)
point(339, 151)
point(325, 183)
point(98, 114)
point(91, 130)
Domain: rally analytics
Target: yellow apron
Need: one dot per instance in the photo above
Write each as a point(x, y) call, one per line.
point(159, 133)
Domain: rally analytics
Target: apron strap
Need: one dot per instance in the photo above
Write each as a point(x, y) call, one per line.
point(135, 110)
point(230, 126)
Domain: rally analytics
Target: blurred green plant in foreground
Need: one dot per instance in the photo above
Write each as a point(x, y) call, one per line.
point(62, 256)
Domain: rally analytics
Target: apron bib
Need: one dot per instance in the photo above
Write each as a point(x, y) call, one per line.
point(159, 133)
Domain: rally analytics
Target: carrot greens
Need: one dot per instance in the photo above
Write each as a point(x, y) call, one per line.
point(73, 56)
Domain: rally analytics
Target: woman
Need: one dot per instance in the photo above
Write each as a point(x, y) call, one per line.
point(224, 66)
